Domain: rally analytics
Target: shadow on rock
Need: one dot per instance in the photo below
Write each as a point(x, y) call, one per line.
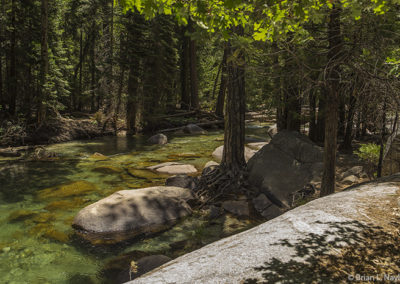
point(354, 249)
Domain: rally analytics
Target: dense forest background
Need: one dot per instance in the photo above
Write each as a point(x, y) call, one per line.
point(61, 57)
point(65, 58)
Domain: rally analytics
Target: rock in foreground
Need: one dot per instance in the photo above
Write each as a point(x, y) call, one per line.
point(285, 166)
point(295, 247)
point(128, 213)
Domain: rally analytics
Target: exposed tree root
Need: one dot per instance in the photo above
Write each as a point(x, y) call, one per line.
point(221, 183)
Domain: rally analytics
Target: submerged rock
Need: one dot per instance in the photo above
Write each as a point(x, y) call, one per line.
point(144, 174)
point(174, 168)
point(48, 231)
point(107, 170)
point(286, 165)
point(75, 188)
point(217, 154)
point(66, 204)
point(20, 215)
point(159, 139)
point(98, 156)
point(193, 129)
point(129, 213)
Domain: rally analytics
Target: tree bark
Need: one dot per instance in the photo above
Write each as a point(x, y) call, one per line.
point(216, 80)
point(382, 142)
point(293, 110)
point(332, 106)
point(120, 88)
point(219, 108)
point(342, 118)
point(321, 118)
point(312, 133)
point(1, 78)
point(44, 60)
point(233, 155)
point(194, 81)
point(12, 78)
point(134, 102)
point(348, 136)
point(93, 68)
point(79, 95)
point(185, 71)
point(2, 53)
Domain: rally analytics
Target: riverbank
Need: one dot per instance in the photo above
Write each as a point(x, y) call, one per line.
point(330, 240)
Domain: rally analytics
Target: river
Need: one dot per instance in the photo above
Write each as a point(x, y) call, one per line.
point(37, 206)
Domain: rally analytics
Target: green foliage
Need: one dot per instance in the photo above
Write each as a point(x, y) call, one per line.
point(369, 153)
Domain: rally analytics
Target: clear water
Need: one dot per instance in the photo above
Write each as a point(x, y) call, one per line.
point(37, 244)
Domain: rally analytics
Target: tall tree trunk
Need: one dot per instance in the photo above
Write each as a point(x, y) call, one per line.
point(216, 80)
point(12, 78)
point(293, 110)
point(219, 108)
point(331, 113)
point(80, 91)
point(120, 88)
point(312, 133)
point(111, 59)
point(44, 63)
point(185, 71)
point(342, 118)
point(2, 52)
point(348, 136)
point(279, 94)
point(194, 81)
point(233, 155)
point(321, 118)
point(363, 120)
point(93, 69)
point(1, 78)
point(134, 102)
point(118, 102)
point(382, 142)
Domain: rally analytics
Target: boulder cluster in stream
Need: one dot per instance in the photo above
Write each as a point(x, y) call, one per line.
point(280, 171)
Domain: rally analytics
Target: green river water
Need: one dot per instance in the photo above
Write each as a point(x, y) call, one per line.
point(37, 206)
